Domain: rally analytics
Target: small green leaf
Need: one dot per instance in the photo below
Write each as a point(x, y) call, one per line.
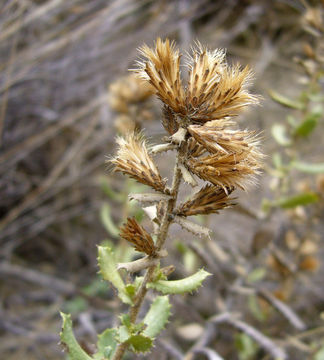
point(108, 270)
point(256, 275)
point(157, 316)
point(246, 347)
point(308, 125)
point(187, 284)
point(255, 308)
point(130, 290)
point(112, 194)
point(125, 320)
point(319, 354)
point(308, 168)
point(278, 131)
point(297, 200)
point(106, 344)
point(106, 219)
point(140, 343)
point(67, 338)
point(75, 305)
point(286, 101)
point(123, 333)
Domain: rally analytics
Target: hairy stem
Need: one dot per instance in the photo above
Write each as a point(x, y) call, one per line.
point(161, 238)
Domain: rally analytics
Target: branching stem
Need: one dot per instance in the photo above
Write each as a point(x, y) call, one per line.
point(161, 238)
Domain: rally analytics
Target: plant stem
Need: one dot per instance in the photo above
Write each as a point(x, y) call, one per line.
point(161, 238)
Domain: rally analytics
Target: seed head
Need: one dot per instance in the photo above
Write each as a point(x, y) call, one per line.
point(162, 70)
point(138, 236)
point(209, 199)
point(226, 171)
point(226, 141)
point(215, 90)
point(133, 159)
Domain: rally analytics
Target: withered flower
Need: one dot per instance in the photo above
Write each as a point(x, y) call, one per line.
point(138, 236)
point(133, 159)
point(214, 90)
point(220, 139)
point(162, 70)
point(169, 121)
point(210, 199)
point(226, 171)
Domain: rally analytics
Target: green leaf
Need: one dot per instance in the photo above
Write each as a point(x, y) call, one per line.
point(108, 270)
point(106, 219)
point(256, 275)
point(247, 348)
point(308, 125)
point(75, 305)
point(278, 131)
point(187, 284)
point(112, 194)
point(308, 168)
point(106, 344)
point(319, 354)
point(255, 308)
point(297, 200)
point(140, 343)
point(67, 338)
point(157, 316)
point(286, 101)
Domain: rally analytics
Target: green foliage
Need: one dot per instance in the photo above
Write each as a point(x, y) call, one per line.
point(133, 335)
point(157, 316)
point(256, 275)
point(246, 347)
point(75, 305)
point(307, 125)
point(182, 286)
point(68, 340)
point(107, 221)
point(109, 272)
point(255, 308)
point(279, 132)
point(308, 168)
point(283, 100)
point(106, 344)
point(319, 354)
point(297, 200)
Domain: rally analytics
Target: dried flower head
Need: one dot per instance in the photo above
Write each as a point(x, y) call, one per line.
point(133, 159)
point(138, 236)
point(227, 171)
point(226, 141)
point(162, 70)
point(209, 199)
point(214, 90)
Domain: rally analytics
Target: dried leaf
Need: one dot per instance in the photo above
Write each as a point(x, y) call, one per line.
point(192, 227)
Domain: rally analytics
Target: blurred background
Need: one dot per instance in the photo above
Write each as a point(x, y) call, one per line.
point(65, 93)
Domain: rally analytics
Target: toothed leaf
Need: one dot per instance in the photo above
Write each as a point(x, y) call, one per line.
point(108, 270)
point(67, 338)
point(187, 284)
point(106, 344)
point(140, 343)
point(157, 316)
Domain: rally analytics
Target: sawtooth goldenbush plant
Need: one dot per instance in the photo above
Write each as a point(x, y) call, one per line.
point(198, 118)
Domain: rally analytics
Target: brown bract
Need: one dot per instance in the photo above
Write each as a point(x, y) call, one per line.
point(214, 90)
point(226, 171)
point(133, 159)
point(162, 70)
point(209, 199)
point(219, 139)
point(138, 236)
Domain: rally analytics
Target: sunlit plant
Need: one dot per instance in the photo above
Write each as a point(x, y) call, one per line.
point(198, 116)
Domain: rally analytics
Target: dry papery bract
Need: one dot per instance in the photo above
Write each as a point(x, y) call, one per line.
point(215, 90)
point(227, 171)
point(138, 236)
point(210, 199)
point(133, 159)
